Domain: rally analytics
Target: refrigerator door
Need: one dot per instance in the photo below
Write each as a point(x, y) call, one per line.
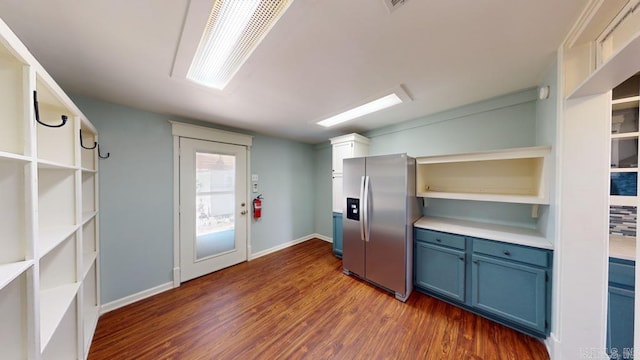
point(386, 245)
point(353, 230)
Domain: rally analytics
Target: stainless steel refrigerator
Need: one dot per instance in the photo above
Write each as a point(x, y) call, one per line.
point(380, 208)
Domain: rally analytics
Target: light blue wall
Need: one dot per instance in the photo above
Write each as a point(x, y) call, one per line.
point(323, 193)
point(136, 195)
point(136, 198)
point(286, 170)
point(504, 122)
point(546, 134)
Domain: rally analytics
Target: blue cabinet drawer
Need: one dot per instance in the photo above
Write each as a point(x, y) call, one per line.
point(525, 254)
point(440, 238)
point(622, 272)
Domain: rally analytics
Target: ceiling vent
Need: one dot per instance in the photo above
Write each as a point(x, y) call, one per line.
point(392, 5)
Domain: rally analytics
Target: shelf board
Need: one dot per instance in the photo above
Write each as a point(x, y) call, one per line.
point(625, 100)
point(51, 237)
point(87, 216)
point(91, 316)
point(8, 272)
point(501, 154)
point(623, 200)
point(624, 170)
point(54, 303)
point(88, 171)
point(7, 156)
point(52, 165)
point(518, 199)
point(88, 259)
point(628, 135)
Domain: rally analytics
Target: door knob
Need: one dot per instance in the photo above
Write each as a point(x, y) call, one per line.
point(243, 212)
point(242, 204)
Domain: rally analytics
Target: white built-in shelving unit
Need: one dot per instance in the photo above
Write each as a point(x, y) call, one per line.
point(49, 267)
point(519, 175)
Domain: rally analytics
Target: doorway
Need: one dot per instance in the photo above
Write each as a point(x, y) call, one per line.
point(213, 212)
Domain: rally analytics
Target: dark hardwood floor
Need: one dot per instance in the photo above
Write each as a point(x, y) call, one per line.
point(297, 304)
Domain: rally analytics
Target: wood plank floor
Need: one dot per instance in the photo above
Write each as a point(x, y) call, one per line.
point(297, 304)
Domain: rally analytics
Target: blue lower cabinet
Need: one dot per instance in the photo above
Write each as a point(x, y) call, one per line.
point(337, 234)
point(504, 282)
point(513, 291)
point(441, 270)
point(620, 311)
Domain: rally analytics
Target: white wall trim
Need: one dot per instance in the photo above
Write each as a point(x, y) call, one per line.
point(116, 304)
point(285, 245)
point(324, 238)
point(210, 134)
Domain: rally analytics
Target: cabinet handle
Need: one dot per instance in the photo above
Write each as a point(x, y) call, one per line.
point(461, 258)
point(438, 240)
point(506, 252)
point(475, 261)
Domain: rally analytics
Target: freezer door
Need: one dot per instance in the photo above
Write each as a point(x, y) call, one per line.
point(386, 248)
point(352, 230)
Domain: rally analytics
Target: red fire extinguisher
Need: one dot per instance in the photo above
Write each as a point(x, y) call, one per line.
point(257, 207)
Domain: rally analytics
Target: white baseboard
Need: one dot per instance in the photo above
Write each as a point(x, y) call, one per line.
point(552, 346)
point(324, 238)
point(105, 308)
point(286, 245)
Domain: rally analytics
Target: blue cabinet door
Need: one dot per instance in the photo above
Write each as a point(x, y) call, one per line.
point(620, 322)
point(440, 270)
point(509, 290)
point(337, 234)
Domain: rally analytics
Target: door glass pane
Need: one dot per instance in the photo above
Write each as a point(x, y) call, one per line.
point(215, 204)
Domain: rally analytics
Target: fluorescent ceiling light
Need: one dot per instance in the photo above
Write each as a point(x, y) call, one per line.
point(368, 108)
point(233, 31)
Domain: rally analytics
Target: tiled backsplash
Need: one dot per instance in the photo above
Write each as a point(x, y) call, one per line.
point(622, 220)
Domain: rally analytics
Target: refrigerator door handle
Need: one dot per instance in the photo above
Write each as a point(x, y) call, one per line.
point(365, 212)
point(361, 207)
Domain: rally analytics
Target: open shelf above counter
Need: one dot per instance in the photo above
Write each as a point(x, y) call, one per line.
point(519, 175)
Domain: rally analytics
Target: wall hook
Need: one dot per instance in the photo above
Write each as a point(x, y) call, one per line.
point(37, 111)
point(100, 155)
point(86, 147)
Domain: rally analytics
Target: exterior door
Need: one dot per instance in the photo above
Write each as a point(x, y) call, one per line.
point(213, 206)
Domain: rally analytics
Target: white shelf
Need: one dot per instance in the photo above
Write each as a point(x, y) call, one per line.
point(488, 196)
point(7, 156)
point(87, 216)
point(88, 259)
point(631, 99)
point(52, 165)
point(91, 316)
point(622, 247)
point(53, 305)
point(51, 237)
point(519, 175)
point(623, 170)
point(8, 272)
point(627, 135)
point(89, 171)
point(503, 233)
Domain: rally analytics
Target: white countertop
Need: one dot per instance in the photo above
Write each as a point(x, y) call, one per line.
point(504, 233)
point(622, 247)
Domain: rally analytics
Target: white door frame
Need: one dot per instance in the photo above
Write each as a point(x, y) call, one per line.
point(179, 130)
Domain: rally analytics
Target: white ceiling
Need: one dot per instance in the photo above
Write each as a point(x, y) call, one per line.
point(322, 57)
